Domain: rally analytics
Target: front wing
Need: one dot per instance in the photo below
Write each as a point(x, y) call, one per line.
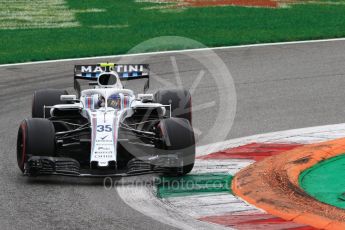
point(63, 166)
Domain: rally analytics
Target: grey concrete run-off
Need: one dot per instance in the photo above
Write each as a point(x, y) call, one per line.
point(277, 87)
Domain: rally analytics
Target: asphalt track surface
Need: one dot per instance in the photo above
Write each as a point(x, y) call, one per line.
point(278, 88)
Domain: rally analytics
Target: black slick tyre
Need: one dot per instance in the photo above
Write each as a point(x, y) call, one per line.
point(45, 97)
point(36, 137)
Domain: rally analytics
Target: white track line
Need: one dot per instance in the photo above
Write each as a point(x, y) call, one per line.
point(144, 200)
point(178, 51)
point(231, 166)
point(305, 136)
point(179, 214)
point(203, 205)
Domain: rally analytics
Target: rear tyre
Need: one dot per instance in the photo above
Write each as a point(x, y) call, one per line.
point(36, 137)
point(45, 97)
point(178, 138)
point(180, 100)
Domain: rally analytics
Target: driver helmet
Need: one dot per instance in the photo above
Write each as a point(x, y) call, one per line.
point(101, 101)
point(114, 101)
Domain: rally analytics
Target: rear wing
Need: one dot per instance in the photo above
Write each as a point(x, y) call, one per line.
point(126, 72)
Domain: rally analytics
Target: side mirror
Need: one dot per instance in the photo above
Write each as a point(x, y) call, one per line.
point(145, 97)
point(68, 98)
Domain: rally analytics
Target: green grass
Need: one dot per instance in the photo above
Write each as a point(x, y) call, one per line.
point(325, 181)
point(125, 24)
point(190, 184)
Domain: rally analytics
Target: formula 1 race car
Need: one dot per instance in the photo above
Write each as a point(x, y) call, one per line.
point(106, 130)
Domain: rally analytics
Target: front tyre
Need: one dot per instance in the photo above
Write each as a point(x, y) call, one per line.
point(180, 101)
point(36, 137)
point(45, 97)
point(178, 138)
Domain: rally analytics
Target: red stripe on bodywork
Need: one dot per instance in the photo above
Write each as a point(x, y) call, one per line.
point(253, 151)
point(125, 102)
point(89, 102)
